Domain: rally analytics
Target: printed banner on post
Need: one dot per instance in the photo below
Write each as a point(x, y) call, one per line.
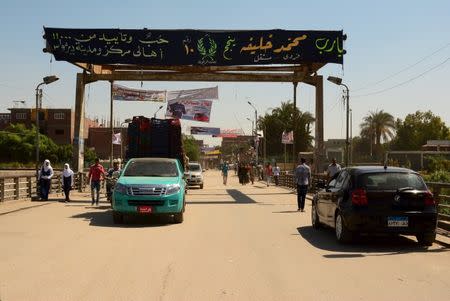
point(127, 94)
point(117, 138)
point(195, 94)
point(287, 138)
point(198, 130)
point(230, 133)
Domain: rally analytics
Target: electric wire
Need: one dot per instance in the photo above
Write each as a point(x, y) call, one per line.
point(405, 82)
point(402, 70)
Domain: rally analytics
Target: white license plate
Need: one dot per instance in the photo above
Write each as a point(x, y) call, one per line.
point(397, 221)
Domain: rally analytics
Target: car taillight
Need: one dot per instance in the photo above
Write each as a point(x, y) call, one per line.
point(359, 197)
point(429, 199)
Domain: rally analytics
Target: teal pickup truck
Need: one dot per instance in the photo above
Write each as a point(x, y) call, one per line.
point(150, 186)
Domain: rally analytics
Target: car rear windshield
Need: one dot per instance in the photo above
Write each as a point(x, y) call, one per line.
point(391, 181)
point(151, 169)
point(194, 167)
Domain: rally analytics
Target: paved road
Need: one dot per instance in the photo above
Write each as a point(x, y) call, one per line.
point(237, 243)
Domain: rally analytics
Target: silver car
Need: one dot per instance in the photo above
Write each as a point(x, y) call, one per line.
point(194, 175)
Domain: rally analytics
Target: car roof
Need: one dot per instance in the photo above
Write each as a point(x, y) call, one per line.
point(377, 168)
point(154, 160)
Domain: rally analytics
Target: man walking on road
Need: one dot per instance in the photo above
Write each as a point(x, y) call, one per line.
point(333, 168)
point(96, 173)
point(276, 174)
point(225, 173)
point(302, 178)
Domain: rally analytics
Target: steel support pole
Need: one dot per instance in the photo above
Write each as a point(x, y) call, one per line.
point(111, 125)
point(295, 117)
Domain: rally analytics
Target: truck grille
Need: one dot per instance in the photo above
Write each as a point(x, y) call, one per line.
point(147, 190)
point(145, 203)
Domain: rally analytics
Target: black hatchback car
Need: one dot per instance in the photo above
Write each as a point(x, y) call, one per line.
point(376, 199)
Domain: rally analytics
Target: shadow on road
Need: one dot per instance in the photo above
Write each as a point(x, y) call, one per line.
point(324, 239)
point(104, 219)
point(240, 197)
point(286, 211)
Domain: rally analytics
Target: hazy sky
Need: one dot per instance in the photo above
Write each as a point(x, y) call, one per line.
point(389, 43)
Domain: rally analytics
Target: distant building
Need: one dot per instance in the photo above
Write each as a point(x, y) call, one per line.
point(57, 124)
point(437, 145)
point(100, 140)
point(5, 119)
point(335, 148)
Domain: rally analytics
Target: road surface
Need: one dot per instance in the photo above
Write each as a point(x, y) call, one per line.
point(236, 243)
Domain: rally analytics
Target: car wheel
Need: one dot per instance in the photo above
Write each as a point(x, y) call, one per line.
point(315, 217)
point(117, 217)
point(426, 239)
point(342, 233)
point(178, 218)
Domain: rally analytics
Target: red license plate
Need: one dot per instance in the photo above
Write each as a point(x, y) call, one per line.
point(145, 209)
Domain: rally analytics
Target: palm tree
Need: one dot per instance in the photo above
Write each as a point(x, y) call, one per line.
point(378, 126)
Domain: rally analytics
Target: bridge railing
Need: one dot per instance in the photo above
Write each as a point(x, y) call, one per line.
point(24, 186)
point(441, 192)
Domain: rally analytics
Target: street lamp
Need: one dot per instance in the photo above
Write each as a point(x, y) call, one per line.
point(46, 80)
point(128, 120)
point(154, 115)
point(338, 81)
point(256, 129)
point(252, 125)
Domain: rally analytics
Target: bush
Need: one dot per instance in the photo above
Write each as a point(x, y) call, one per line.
point(442, 176)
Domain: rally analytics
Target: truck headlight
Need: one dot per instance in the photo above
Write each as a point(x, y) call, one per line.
point(173, 188)
point(120, 188)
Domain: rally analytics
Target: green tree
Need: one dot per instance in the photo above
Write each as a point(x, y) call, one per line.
point(285, 118)
point(378, 127)
point(191, 148)
point(417, 128)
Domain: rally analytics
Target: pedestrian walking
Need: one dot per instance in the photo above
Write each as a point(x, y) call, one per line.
point(96, 174)
point(67, 181)
point(333, 169)
point(251, 173)
point(268, 173)
point(276, 174)
point(302, 178)
point(45, 180)
point(225, 173)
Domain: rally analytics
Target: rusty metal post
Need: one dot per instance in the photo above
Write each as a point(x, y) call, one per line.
point(78, 140)
point(319, 144)
point(295, 117)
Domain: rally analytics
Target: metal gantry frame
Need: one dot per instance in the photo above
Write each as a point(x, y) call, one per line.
point(306, 73)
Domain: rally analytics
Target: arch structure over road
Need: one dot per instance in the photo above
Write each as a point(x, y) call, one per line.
point(196, 55)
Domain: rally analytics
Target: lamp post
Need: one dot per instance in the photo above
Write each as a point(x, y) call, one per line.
point(154, 115)
point(256, 129)
point(46, 80)
point(252, 125)
point(128, 120)
point(338, 81)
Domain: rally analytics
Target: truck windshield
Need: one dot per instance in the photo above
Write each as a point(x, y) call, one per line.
point(151, 169)
point(194, 167)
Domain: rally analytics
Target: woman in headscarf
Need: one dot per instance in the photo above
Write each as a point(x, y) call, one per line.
point(45, 179)
point(67, 181)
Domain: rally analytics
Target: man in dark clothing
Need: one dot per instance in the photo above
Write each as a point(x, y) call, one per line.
point(96, 174)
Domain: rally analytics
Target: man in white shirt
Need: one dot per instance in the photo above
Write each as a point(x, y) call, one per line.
point(302, 178)
point(333, 168)
point(276, 174)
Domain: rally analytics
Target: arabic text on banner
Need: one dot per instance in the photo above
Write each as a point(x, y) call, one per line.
point(127, 94)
